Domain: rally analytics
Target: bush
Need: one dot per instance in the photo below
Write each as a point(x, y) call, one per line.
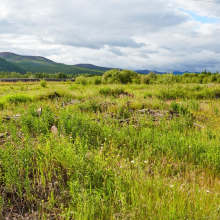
point(43, 83)
point(97, 80)
point(145, 79)
point(119, 76)
point(81, 80)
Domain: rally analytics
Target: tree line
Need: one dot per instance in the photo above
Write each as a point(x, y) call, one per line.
point(116, 76)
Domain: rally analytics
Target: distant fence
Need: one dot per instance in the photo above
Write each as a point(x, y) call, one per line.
point(34, 80)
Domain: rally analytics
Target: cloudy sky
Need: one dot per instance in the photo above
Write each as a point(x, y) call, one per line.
point(163, 35)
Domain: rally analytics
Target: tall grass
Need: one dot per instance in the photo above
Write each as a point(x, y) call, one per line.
point(111, 162)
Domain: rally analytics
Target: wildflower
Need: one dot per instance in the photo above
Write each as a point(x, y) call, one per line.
point(189, 146)
point(171, 186)
point(105, 138)
point(207, 191)
point(132, 161)
point(145, 161)
point(101, 148)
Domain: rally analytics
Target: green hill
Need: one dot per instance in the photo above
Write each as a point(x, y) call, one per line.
point(91, 66)
point(10, 67)
point(37, 64)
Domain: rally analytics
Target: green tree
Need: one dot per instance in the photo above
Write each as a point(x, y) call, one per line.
point(62, 76)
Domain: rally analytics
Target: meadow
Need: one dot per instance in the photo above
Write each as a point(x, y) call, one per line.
point(112, 151)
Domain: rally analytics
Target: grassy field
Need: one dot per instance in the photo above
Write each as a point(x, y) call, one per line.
point(70, 151)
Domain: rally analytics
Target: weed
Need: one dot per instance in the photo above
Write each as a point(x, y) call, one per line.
point(17, 98)
point(107, 91)
point(43, 83)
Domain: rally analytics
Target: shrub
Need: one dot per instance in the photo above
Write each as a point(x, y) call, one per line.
point(196, 88)
point(97, 80)
point(119, 76)
point(111, 92)
point(68, 81)
point(17, 98)
point(1, 105)
point(180, 108)
point(90, 106)
point(145, 79)
point(206, 80)
point(105, 91)
point(43, 83)
point(81, 80)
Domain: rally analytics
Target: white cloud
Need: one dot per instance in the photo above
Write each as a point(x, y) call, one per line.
point(135, 34)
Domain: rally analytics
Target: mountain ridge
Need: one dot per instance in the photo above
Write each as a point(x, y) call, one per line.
point(6, 66)
point(36, 64)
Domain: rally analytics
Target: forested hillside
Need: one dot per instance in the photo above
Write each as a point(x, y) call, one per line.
point(36, 64)
point(10, 67)
point(90, 66)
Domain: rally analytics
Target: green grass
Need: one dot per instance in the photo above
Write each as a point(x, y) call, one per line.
point(107, 160)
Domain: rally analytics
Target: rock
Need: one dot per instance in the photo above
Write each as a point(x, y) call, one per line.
point(54, 95)
point(142, 111)
point(199, 126)
point(39, 111)
point(54, 130)
point(72, 102)
point(122, 95)
point(7, 117)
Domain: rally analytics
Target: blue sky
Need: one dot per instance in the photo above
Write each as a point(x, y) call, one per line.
point(202, 19)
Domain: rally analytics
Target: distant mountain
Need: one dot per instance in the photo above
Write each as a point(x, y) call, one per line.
point(91, 66)
point(181, 73)
point(175, 72)
point(10, 67)
point(36, 64)
point(147, 71)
